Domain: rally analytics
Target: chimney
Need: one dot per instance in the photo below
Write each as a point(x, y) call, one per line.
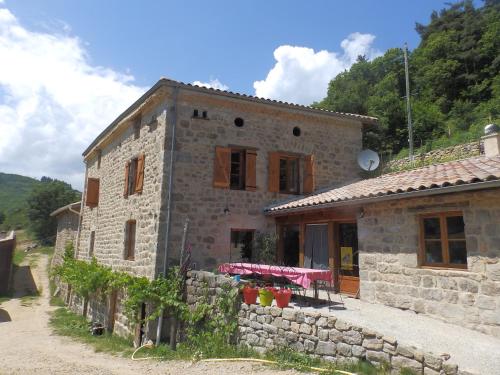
point(491, 140)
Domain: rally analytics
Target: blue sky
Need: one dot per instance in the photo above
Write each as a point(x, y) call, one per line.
point(68, 68)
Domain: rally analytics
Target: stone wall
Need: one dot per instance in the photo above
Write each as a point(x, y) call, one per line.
point(7, 246)
point(457, 152)
point(334, 141)
point(319, 334)
point(389, 273)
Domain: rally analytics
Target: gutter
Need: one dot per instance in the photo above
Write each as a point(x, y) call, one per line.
point(410, 194)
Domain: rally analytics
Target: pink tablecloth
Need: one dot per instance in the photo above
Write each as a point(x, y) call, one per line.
point(300, 276)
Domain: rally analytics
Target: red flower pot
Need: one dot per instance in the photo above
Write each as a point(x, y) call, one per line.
point(250, 295)
point(282, 297)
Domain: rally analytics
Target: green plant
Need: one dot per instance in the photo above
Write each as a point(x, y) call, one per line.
point(265, 248)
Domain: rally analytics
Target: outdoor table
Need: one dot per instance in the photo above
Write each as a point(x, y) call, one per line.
point(300, 276)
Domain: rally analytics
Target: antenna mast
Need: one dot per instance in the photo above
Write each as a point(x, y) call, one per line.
point(408, 104)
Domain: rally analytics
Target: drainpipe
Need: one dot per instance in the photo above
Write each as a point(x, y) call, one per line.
point(169, 203)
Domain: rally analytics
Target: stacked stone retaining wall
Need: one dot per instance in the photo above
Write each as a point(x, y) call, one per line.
point(320, 334)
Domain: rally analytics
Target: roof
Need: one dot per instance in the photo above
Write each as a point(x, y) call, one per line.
point(171, 83)
point(466, 174)
point(71, 207)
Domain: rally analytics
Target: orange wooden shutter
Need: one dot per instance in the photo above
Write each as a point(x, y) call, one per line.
point(127, 169)
point(250, 170)
point(222, 167)
point(274, 172)
point(309, 174)
point(139, 176)
point(92, 199)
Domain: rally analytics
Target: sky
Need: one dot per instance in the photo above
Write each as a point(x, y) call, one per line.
point(68, 68)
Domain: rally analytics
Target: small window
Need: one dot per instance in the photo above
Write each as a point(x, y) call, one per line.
point(296, 131)
point(195, 113)
point(132, 175)
point(237, 175)
point(137, 128)
point(204, 114)
point(242, 244)
point(238, 121)
point(92, 196)
point(99, 157)
point(443, 240)
point(91, 243)
point(289, 182)
point(130, 240)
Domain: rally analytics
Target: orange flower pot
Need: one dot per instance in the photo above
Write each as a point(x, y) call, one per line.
point(250, 295)
point(282, 297)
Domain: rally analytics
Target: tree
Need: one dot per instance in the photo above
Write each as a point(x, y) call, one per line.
point(2, 217)
point(44, 199)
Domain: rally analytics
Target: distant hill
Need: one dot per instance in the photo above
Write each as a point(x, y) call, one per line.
point(14, 190)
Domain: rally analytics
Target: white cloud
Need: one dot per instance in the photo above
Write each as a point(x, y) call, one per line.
point(301, 75)
point(212, 84)
point(53, 102)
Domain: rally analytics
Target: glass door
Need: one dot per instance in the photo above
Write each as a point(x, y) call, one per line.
point(316, 246)
point(347, 253)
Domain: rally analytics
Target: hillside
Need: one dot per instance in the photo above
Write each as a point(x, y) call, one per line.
point(454, 80)
point(14, 190)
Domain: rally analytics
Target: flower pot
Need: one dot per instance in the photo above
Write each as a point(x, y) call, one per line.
point(282, 297)
point(250, 295)
point(266, 297)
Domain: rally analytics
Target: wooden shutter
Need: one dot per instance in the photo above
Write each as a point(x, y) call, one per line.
point(274, 172)
point(251, 170)
point(127, 169)
point(222, 167)
point(139, 174)
point(309, 174)
point(92, 198)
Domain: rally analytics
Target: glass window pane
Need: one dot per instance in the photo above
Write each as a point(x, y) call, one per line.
point(455, 226)
point(458, 252)
point(432, 228)
point(433, 252)
point(294, 175)
point(283, 174)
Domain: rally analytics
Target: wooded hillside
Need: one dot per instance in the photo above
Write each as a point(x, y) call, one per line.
point(455, 82)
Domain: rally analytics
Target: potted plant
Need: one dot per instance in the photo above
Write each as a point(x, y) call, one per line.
point(250, 293)
point(282, 297)
point(266, 296)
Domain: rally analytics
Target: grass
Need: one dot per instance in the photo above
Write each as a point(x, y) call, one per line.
point(67, 323)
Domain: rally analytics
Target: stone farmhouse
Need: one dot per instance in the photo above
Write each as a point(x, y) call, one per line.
point(427, 240)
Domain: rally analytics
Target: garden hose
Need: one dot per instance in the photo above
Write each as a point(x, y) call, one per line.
point(149, 344)
point(266, 361)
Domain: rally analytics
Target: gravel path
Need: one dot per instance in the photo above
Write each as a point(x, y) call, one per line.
point(27, 345)
point(470, 350)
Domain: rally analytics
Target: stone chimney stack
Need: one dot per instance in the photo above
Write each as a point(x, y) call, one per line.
point(491, 140)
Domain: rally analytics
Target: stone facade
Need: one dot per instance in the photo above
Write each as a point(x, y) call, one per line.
point(320, 334)
point(388, 236)
point(67, 230)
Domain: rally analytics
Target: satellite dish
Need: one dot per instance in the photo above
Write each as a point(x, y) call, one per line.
point(368, 160)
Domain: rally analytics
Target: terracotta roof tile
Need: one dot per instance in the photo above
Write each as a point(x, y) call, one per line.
point(459, 172)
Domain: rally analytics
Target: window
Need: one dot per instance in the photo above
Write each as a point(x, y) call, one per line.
point(237, 173)
point(442, 238)
point(289, 175)
point(239, 122)
point(195, 113)
point(235, 168)
point(130, 240)
point(241, 244)
point(284, 173)
point(134, 176)
point(91, 243)
point(92, 195)
point(137, 128)
point(99, 157)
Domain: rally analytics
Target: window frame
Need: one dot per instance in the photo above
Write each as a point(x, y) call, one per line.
point(132, 175)
point(129, 253)
point(443, 238)
point(242, 175)
point(288, 158)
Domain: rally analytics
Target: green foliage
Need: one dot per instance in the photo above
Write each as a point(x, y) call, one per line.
point(44, 199)
point(455, 82)
point(265, 248)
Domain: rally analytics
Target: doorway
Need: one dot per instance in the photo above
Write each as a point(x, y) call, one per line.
point(291, 245)
point(316, 246)
point(348, 258)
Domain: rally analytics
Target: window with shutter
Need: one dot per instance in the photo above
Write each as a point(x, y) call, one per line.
point(309, 172)
point(251, 170)
point(222, 167)
point(139, 180)
point(92, 196)
point(274, 172)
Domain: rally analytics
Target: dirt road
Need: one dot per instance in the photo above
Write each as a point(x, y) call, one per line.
point(27, 345)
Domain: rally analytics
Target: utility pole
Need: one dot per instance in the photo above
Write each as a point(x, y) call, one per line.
point(408, 104)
